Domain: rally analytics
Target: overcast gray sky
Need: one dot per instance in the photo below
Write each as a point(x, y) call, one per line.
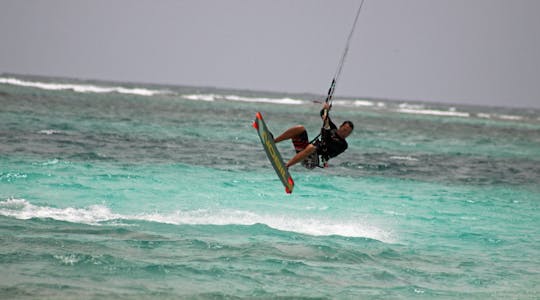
point(459, 51)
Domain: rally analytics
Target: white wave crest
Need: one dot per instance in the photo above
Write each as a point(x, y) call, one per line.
point(49, 132)
point(357, 103)
point(22, 209)
point(510, 117)
point(264, 100)
point(214, 97)
point(408, 158)
point(450, 113)
point(202, 97)
point(96, 214)
point(501, 117)
point(81, 88)
point(483, 115)
point(310, 226)
point(411, 106)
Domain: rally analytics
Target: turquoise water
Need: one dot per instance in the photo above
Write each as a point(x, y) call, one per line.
point(114, 190)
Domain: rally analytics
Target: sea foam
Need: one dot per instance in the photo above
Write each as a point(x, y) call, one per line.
point(432, 112)
point(236, 98)
point(81, 88)
point(97, 214)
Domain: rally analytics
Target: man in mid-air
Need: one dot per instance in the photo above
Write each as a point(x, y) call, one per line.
point(331, 144)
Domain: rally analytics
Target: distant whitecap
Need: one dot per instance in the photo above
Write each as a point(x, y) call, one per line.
point(81, 88)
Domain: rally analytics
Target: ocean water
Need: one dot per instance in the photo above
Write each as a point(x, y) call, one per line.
point(128, 191)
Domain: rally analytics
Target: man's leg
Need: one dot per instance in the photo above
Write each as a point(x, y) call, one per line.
point(290, 133)
point(300, 141)
point(300, 156)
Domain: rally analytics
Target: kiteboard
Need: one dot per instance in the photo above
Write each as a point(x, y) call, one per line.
point(267, 141)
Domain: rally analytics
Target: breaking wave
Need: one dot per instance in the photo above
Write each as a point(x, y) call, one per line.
point(216, 97)
point(81, 88)
point(97, 214)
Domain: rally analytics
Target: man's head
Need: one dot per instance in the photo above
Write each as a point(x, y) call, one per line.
point(345, 129)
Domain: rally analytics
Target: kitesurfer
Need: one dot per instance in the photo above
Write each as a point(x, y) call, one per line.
point(331, 143)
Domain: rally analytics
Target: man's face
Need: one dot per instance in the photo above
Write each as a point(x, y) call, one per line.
point(344, 130)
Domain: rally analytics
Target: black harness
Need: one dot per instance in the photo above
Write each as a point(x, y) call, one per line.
point(313, 160)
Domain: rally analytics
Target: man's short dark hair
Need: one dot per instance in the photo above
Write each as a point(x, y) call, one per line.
point(348, 123)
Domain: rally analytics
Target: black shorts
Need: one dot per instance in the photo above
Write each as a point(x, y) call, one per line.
point(300, 142)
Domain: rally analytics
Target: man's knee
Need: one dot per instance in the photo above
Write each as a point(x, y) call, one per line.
point(299, 129)
point(298, 132)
